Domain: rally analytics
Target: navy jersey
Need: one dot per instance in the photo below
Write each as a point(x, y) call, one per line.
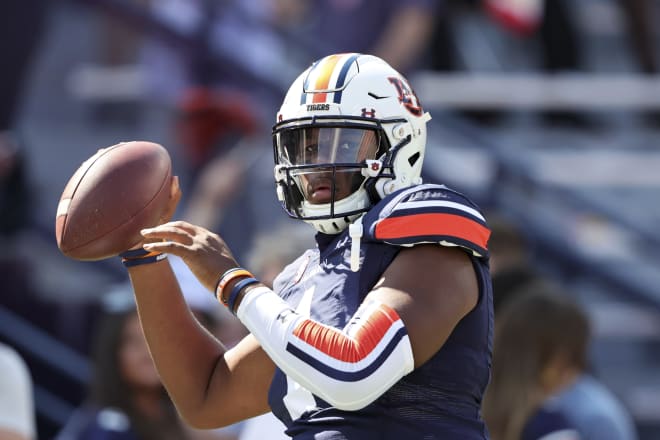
point(442, 398)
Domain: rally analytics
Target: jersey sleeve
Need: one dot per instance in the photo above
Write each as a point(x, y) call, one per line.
point(428, 214)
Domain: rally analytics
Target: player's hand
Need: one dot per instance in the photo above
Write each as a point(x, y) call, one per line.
point(206, 253)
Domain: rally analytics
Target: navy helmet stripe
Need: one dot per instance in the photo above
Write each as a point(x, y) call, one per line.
point(342, 78)
point(303, 95)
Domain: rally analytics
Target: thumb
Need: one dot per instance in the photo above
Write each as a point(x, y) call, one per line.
point(175, 197)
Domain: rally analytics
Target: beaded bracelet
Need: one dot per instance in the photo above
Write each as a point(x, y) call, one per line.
point(236, 290)
point(231, 274)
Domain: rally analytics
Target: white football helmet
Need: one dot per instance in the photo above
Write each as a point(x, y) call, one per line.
point(350, 131)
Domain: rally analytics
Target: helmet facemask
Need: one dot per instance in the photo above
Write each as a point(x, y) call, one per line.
point(323, 168)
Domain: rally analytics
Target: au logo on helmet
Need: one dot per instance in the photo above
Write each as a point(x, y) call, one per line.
point(407, 96)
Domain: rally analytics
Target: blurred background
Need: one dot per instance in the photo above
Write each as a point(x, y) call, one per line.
point(546, 114)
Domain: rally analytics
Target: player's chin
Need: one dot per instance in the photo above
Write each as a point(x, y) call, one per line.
point(325, 195)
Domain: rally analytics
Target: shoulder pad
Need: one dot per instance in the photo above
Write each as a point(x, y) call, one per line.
point(428, 214)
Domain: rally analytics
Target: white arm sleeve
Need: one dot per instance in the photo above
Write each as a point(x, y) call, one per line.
point(348, 368)
point(16, 401)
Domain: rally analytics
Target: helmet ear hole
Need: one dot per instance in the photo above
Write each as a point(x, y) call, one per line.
point(414, 158)
point(292, 197)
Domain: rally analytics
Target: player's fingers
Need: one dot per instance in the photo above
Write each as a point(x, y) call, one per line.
point(168, 232)
point(171, 226)
point(168, 247)
point(183, 225)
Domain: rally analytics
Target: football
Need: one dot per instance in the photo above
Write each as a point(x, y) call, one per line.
point(110, 198)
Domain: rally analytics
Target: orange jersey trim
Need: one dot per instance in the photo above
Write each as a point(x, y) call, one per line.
point(419, 225)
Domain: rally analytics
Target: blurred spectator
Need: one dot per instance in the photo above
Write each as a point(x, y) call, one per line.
point(255, 48)
point(521, 17)
point(536, 336)
point(640, 16)
point(248, 52)
point(126, 400)
point(540, 363)
point(397, 31)
point(234, 193)
point(15, 196)
point(222, 66)
point(273, 250)
point(17, 418)
point(210, 122)
point(561, 43)
point(230, 45)
point(559, 31)
point(21, 27)
point(594, 410)
point(511, 262)
point(552, 24)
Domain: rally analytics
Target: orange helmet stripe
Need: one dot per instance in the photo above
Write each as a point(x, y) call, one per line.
point(323, 78)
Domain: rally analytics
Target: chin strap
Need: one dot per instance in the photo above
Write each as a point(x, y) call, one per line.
point(355, 231)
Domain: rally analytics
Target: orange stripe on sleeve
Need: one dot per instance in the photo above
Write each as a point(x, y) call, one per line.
point(336, 344)
point(417, 225)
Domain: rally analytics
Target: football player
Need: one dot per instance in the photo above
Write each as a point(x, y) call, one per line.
point(384, 330)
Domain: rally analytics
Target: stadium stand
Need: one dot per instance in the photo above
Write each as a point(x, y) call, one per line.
point(585, 194)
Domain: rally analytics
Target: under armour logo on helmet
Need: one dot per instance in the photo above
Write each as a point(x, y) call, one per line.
point(371, 113)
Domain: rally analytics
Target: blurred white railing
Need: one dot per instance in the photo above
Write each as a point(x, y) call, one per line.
point(574, 91)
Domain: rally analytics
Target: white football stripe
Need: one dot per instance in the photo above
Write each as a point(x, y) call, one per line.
point(63, 207)
point(442, 203)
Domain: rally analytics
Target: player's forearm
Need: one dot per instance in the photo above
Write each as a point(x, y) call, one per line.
point(348, 368)
point(186, 356)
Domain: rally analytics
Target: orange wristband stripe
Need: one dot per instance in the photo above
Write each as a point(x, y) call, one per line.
point(227, 277)
point(150, 254)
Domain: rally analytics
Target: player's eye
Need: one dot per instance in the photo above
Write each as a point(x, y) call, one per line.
point(345, 151)
point(311, 149)
point(309, 153)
